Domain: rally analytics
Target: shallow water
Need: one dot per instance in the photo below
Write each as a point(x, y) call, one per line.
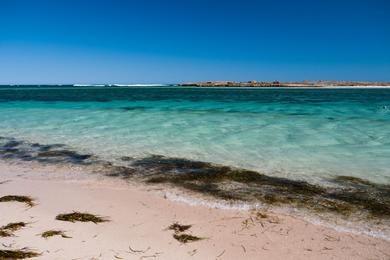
point(296, 133)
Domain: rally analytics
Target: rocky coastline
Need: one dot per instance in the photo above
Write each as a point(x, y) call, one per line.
point(254, 83)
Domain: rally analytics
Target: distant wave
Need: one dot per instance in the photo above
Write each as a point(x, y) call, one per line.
point(120, 85)
point(138, 85)
point(89, 85)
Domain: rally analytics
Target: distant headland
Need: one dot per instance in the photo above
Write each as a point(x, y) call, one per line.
point(302, 84)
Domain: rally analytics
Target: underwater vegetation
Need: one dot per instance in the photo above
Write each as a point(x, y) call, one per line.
point(54, 153)
point(348, 195)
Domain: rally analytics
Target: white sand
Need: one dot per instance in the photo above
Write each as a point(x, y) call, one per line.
point(139, 219)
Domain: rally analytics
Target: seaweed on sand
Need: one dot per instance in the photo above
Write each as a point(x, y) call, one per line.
point(180, 236)
point(52, 233)
point(23, 199)
point(9, 229)
point(14, 226)
point(17, 254)
point(178, 227)
point(81, 217)
point(5, 233)
point(185, 238)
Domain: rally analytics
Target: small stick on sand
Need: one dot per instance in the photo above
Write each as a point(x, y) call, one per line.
point(223, 252)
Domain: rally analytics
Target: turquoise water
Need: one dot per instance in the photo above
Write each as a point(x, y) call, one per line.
point(309, 134)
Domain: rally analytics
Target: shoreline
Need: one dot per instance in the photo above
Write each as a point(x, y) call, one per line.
point(196, 85)
point(139, 218)
point(287, 84)
point(344, 203)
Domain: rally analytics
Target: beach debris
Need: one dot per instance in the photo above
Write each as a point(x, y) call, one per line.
point(331, 238)
point(16, 198)
point(17, 254)
point(221, 254)
point(7, 245)
point(157, 254)
point(259, 217)
point(192, 252)
point(178, 227)
point(81, 217)
point(135, 251)
point(9, 229)
point(51, 233)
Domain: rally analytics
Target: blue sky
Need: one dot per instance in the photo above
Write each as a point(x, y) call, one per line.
point(146, 41)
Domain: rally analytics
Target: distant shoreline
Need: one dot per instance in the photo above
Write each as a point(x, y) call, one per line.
point(290, 87)
point(277, 84)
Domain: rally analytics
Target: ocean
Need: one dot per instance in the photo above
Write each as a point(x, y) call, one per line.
point(309, 134)
point(298, 140)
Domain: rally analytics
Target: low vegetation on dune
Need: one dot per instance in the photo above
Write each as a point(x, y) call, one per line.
point(52, 233)
point(17, 254)
point(16, 198)
point(81, 217)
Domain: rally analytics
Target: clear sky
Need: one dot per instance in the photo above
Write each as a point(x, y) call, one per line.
point(167, 41)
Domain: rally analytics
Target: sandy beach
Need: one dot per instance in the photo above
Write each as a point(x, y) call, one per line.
point(139, 219)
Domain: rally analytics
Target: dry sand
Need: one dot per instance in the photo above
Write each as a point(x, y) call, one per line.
point(139, 218)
